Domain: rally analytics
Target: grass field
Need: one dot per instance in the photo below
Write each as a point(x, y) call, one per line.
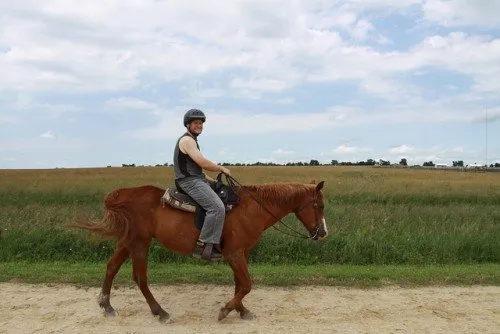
point(91, 274)
point(375, 216)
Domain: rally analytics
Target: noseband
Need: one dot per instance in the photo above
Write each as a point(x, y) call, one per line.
point(315, 234)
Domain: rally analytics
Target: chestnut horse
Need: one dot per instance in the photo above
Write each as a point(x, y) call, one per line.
point(135, 215)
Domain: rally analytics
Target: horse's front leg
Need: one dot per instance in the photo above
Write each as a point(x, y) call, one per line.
point(139, 257)
point(244, 312)
point(243, 285)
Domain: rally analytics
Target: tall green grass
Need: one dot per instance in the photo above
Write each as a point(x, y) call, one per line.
point(374, 215)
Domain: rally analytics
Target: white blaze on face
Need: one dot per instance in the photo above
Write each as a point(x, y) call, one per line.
point(323, 222)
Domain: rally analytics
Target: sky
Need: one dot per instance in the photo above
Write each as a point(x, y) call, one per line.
point(107, 82)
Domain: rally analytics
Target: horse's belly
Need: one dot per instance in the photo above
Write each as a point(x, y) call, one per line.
point(176, 231)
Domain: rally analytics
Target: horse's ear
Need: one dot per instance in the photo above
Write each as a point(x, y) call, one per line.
point(320, 186)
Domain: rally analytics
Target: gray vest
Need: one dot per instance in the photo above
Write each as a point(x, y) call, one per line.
point(184, 166)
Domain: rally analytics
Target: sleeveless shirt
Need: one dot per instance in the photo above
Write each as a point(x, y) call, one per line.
point(184, 166)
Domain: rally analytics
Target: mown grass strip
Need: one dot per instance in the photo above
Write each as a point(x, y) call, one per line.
point(91, 274)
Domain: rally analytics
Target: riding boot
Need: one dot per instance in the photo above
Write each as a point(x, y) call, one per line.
point(207, 251)
point(214, 253)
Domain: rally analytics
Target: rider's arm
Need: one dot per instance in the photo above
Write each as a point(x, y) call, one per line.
point(187, 145)
point(210, 179)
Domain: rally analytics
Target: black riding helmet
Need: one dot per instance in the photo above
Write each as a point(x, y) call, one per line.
point(193, 115)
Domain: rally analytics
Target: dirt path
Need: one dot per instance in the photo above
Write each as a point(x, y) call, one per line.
point(28, 308)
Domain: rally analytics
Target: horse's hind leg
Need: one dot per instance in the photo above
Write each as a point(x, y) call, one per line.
point(139, 257)
point(120, 255)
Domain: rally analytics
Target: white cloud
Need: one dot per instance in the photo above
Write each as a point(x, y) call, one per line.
point(59, 56)
point(224, 123)
point(164, 45)
point(100, 46)
point(476, 56)
point(8, 120)
point(210, 93)
point(494, 115)
point(28, 103)
point(259, 84)
point(199, 95)
point(343, 149)
point(388, 88)
point(246, 94)
point(344, 19)
point(436, 154)
point(403, 149)
point(383, 40)
point(488, 114)
point(47, 135)
point(414, 154)
point(362, 29)
point(286, 100)
point(283, 152)
point(463, 12)
point(227, 155)
point(130, 102)
point(364, 4)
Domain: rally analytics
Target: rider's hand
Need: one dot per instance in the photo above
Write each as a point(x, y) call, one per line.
point(225, 171)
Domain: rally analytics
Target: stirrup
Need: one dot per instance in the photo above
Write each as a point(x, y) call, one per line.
point(207, 251)
point(211, 253)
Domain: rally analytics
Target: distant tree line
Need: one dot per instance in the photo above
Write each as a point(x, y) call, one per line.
point(313, 162)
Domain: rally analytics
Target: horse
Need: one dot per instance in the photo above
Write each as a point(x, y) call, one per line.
point(134, 216)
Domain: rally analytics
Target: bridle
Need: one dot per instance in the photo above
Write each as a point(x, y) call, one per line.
point(296, 234)
point(314, 201)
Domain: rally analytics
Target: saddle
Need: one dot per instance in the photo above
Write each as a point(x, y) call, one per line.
point(177, 199)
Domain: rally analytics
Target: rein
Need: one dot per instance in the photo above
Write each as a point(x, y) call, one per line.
point(296, 234)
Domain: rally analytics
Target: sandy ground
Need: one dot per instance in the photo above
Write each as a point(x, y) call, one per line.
point(28, 308)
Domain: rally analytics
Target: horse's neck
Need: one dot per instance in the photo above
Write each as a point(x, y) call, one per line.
point(278, 199)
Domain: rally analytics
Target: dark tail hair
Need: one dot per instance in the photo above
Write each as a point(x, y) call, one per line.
point(116, 222)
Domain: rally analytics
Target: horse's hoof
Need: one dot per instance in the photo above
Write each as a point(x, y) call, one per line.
point(247, 315)
point(111, 313)
point(223, 313)
point(164, 317)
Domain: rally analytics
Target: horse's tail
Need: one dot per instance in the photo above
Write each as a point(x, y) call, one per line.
point(116, 222)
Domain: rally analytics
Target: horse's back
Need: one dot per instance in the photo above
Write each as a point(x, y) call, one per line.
point(147, 195)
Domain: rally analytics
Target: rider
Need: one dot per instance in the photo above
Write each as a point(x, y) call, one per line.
point(189, 163)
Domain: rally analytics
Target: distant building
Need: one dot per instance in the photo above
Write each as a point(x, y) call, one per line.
point(474, 166)
point(441, 165)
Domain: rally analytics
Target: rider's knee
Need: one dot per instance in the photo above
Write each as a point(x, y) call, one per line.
point(217, 208)
point(220, 208)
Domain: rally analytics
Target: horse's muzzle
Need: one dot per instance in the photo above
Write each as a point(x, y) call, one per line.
point(323, 236)
point(321, 232)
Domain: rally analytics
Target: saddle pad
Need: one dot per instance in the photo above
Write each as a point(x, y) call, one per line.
point(178, 200)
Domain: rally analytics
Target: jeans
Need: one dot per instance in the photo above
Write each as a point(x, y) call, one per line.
point(201, 192)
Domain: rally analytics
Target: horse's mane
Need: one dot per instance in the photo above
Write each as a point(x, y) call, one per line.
point(279, 193)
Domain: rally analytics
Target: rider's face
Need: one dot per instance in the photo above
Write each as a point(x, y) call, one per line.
point(195, 127)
